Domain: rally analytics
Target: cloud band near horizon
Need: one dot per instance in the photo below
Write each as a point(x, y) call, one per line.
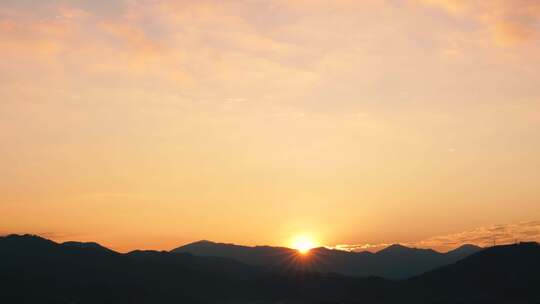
point(482, 236)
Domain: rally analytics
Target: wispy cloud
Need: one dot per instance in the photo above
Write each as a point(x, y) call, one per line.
point(508, 21)
point(486, 236)
point(359, 247)
point(481, 236)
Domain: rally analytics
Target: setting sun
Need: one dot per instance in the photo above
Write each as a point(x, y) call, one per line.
point(303, 243)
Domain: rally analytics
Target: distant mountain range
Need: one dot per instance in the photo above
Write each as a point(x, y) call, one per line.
point(37, 270)
point(394, 262)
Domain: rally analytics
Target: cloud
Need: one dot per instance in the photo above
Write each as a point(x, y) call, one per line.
point(304, 53)
point(481, 236)
point(359, 247)
point(486, 236)
point(185, 46)
point(509, 21)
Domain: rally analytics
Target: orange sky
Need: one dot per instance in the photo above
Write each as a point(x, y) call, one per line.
point(151, 123)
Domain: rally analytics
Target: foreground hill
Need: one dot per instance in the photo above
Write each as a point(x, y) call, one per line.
point(36, 270)
point(394, 262)
point(507, 273)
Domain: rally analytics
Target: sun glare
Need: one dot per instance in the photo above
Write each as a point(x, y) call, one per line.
point(303, 243)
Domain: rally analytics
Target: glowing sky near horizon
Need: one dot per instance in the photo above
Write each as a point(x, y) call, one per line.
point(152, 123)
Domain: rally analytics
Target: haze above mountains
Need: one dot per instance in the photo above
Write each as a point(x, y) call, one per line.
point(37, 270)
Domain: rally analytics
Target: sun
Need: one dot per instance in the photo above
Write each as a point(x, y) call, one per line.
point(303, 243)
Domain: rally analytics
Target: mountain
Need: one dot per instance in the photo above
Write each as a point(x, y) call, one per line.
point(88, 245)
point(207, 265)
point(507, 273)
point(395, 262)
point(463, 251)
point(36, 270)
point(259, 255)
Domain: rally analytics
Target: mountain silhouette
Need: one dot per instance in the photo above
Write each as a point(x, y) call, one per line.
point(507, 273)
point(395, 261)
point(88, 245)
point(205, 265)
point(37, 270)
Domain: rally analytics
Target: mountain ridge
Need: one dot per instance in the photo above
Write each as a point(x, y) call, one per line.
point(37, 270)
point(395, 261)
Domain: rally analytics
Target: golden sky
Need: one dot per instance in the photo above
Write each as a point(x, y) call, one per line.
point(152, 123)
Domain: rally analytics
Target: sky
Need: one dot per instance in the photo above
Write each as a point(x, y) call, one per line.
point(153, 123)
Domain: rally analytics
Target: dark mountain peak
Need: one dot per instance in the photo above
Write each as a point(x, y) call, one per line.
point(87, 245)
point(25, 237)
point(323, 249)
point(203, 242)
point(28, 242)
point(405, 256)
point(138, 251)
point(395, 248)
point(209, 248)
point(207, 243)
point(466, 248)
